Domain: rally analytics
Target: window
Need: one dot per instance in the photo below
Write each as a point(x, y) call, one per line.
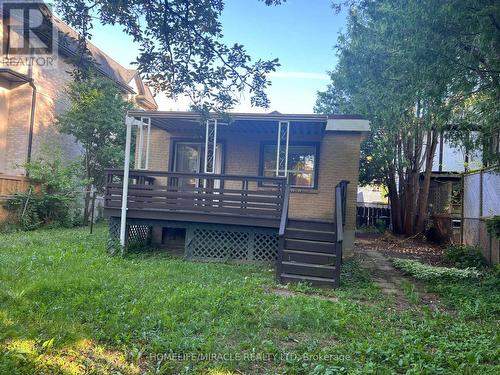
point(302, 164)
point(189, 157)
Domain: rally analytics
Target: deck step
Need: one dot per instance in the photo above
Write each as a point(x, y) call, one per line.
point(326, 226)
point(311, 246)
point(311, 235)
point(307, 257)
point(308, 253)
point(307, 269)
point(316, 281)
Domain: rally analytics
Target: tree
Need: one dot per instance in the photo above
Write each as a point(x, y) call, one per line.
point(181, 50)
point(401, 64)
point(95, 119)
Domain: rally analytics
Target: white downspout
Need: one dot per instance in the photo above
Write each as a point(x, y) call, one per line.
point(126, 168)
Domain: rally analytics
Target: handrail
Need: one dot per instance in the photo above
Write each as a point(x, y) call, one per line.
point(338, 214)
point(135, 172)
point(284, 211)
point(281, 232)
point(340, 208)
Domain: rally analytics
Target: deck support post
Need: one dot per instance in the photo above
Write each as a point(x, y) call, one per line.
point(126, 169)
point(148, 142)
point(210, 146)
point(282, 149)
point(210, 149)
point(129, 122)
point(140, 136)
point(144, 122)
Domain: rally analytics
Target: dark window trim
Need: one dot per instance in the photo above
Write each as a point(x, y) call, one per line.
point(316, 162)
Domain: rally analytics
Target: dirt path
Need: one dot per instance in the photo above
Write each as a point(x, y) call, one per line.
point(385, 276)
point(393, 282)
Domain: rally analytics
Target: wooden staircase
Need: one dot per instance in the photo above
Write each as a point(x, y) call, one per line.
point(311, 250)
point(309, 254)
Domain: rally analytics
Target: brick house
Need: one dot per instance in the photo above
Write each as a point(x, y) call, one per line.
point(247, 187)
point(31, 97)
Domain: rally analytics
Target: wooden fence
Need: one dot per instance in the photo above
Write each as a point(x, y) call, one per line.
point(373, 215)
point(10, 185)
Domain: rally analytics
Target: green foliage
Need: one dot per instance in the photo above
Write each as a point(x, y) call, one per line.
point(410, 291)
point(379, 226)
point(464, 256)
point(51, 199)
point(472, 299)
point(414, 68)
point(181, 50)
point(429, 273)
point(493, 226)
point(67, 307)
point(96, 119)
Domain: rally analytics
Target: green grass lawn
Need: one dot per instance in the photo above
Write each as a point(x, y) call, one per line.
point(67, 307)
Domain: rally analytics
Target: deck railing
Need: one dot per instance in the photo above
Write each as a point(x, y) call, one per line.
point(215, 194)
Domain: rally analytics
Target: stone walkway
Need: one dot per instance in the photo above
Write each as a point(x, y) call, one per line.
point(391, 280)
point(383, 273)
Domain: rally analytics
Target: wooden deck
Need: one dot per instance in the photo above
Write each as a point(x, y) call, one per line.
point(305, 251)
point(201, 198)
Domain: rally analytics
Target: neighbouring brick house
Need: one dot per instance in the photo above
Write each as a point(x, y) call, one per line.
point(31, 97)
point(249, 187)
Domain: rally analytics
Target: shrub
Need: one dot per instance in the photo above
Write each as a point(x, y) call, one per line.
point(464, 256)
point(51, 199)
point(371, 229)
point(427, 272)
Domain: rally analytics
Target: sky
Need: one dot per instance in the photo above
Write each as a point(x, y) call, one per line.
point(300, 33)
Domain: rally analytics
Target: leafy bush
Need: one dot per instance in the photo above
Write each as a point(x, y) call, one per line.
point(464, 256)
point(427, 272)
point(493, 226)
point(51, 199)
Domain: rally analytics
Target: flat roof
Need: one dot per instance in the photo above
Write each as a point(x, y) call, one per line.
point(273, 116)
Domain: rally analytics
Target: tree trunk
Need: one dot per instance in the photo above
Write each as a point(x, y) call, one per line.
point(423, 198)
point(395, 202)
point(86, 209)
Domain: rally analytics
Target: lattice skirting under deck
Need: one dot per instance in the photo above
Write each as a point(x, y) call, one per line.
point(220, 243)
point(212, 242)
point(138, 235)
